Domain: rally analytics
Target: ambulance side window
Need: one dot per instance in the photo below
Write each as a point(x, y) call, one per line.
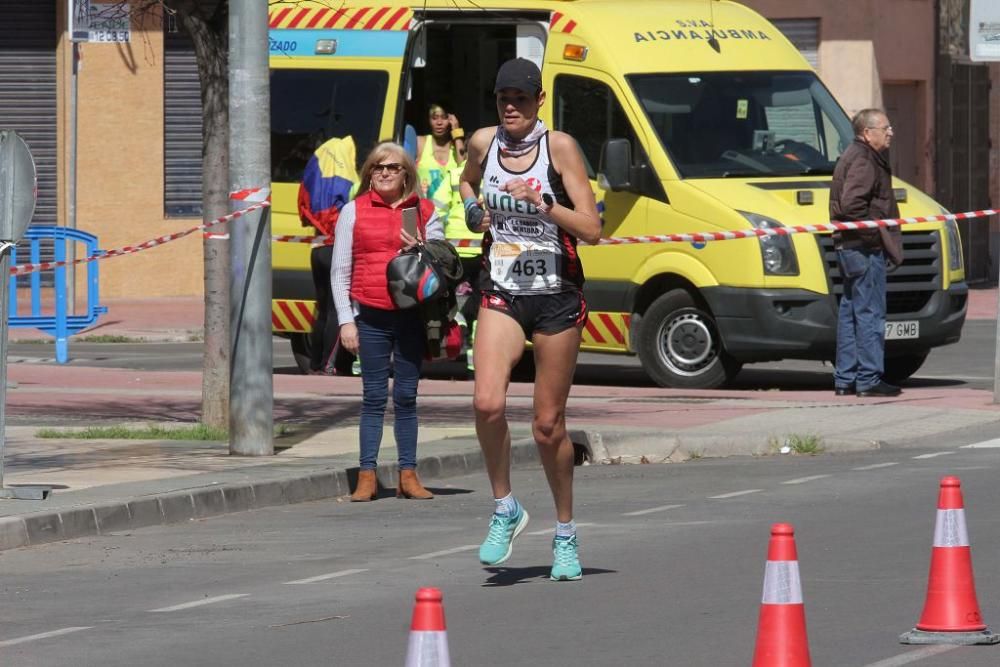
point(310, 106)
point(588, 111)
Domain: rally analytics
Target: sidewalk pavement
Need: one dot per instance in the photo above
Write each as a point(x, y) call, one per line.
point(101, 486)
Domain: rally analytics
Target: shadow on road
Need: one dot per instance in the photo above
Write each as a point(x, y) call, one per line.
point(509, 576)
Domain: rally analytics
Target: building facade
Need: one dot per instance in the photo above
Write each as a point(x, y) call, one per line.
point(114, 106)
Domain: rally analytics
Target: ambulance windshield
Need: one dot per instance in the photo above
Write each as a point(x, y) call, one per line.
point(730, 124)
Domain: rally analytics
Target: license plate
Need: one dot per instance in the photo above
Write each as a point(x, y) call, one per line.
point(902, 329)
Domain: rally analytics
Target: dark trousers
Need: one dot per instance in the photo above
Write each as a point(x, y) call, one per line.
point(396, 338)
point(325, 330)
point(861, 319)
point(471, 267)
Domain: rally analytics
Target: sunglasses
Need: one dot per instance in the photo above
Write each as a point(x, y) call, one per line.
point(391, 167)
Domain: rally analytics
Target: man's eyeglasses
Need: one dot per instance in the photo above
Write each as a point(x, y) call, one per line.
point(886, 128)
point(391, 167)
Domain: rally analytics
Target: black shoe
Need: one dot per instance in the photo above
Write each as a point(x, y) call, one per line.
point(849, 390)
point(881, 389)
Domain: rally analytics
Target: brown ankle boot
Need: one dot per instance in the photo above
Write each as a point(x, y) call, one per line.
point(410, 486)
point(367, 489)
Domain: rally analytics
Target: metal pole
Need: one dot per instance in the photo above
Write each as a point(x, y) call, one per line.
point(4, 305)
point(251, 390)
point(71, 168)
point(996, 353)
point(17, 492)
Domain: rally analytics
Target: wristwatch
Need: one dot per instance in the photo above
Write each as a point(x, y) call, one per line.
point(548, 201)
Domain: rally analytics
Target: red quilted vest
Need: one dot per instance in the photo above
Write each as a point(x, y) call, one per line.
point(376, 241)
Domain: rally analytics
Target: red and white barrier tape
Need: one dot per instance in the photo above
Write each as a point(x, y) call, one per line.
point(704, 237)
point(252, 195)
point(22, 269)
point(315, 241)
point(697, 237)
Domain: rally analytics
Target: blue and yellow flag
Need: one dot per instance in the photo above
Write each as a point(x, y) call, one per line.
point(327, 184)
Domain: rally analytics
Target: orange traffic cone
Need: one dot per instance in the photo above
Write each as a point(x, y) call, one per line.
point(951, 611)
point(428, 636)
point(781, 630)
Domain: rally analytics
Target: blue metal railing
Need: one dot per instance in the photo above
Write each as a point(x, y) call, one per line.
point(59, 324)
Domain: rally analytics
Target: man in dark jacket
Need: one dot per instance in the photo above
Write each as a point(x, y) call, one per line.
point(862, 190)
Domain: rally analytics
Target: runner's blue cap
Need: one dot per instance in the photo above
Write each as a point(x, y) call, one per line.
point(521, 74)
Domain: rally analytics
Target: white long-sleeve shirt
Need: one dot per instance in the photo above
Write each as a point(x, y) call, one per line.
point(343, 260)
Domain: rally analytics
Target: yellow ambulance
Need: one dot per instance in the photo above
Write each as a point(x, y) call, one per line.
point(692, 115)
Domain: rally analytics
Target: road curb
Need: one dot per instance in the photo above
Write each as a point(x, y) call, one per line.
point(218, 499)
point(611, 446)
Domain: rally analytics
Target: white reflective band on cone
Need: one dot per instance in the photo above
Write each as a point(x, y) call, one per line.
point(949, 529)
point(781, 582)
point(428, 649)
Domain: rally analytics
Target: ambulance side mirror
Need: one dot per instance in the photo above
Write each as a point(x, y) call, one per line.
point(614, 172)
point(18, 187)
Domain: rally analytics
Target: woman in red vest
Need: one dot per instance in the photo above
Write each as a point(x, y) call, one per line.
point(369, 233)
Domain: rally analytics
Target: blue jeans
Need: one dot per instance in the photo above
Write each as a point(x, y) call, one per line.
point(861, 319)
point(396, 337)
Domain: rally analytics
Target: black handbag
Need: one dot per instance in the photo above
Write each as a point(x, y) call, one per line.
point(415, 278)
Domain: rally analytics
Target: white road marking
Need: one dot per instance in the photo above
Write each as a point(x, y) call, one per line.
point(42, 635)
point(324, 577)
point(933, 455)
point(199, 603)
point(913, 656)
point(985, 444)
point(876, 465)
point(445, 552)
point(734, 494)
point(803, 480)
point(651, 510)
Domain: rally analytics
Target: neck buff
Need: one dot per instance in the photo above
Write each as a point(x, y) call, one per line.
point(515, 147)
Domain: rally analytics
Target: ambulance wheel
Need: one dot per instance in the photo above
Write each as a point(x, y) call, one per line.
point(679, 344)
point(900, 368)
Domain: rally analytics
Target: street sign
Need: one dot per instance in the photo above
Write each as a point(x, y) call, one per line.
point(79, 20)
point(100, 21)
point(110, 22)
point(984, 30)
point(18, 186)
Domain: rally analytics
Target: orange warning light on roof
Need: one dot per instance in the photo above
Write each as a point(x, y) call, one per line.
point(575, 52)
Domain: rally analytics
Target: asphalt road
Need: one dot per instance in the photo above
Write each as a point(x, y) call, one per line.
point(969, 362)
point(673, 558)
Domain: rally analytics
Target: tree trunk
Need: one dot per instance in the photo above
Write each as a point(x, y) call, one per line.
point(209, 32)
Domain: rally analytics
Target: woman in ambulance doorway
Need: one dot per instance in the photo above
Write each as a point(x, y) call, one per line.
point(440, 161)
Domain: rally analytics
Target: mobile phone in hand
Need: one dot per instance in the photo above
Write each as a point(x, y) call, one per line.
point(410, 221)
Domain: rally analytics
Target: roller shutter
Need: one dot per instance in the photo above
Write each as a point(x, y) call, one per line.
point(804, 35)
point(28, 91)
point(182, 127)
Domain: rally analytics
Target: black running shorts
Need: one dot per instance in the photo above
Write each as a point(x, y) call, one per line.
point(540, 313)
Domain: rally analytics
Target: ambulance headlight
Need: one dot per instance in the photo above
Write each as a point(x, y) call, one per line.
point(954, 245)
point(776, 252)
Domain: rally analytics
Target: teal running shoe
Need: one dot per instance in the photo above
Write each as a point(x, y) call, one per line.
point(565, 562)
point(497, 547)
